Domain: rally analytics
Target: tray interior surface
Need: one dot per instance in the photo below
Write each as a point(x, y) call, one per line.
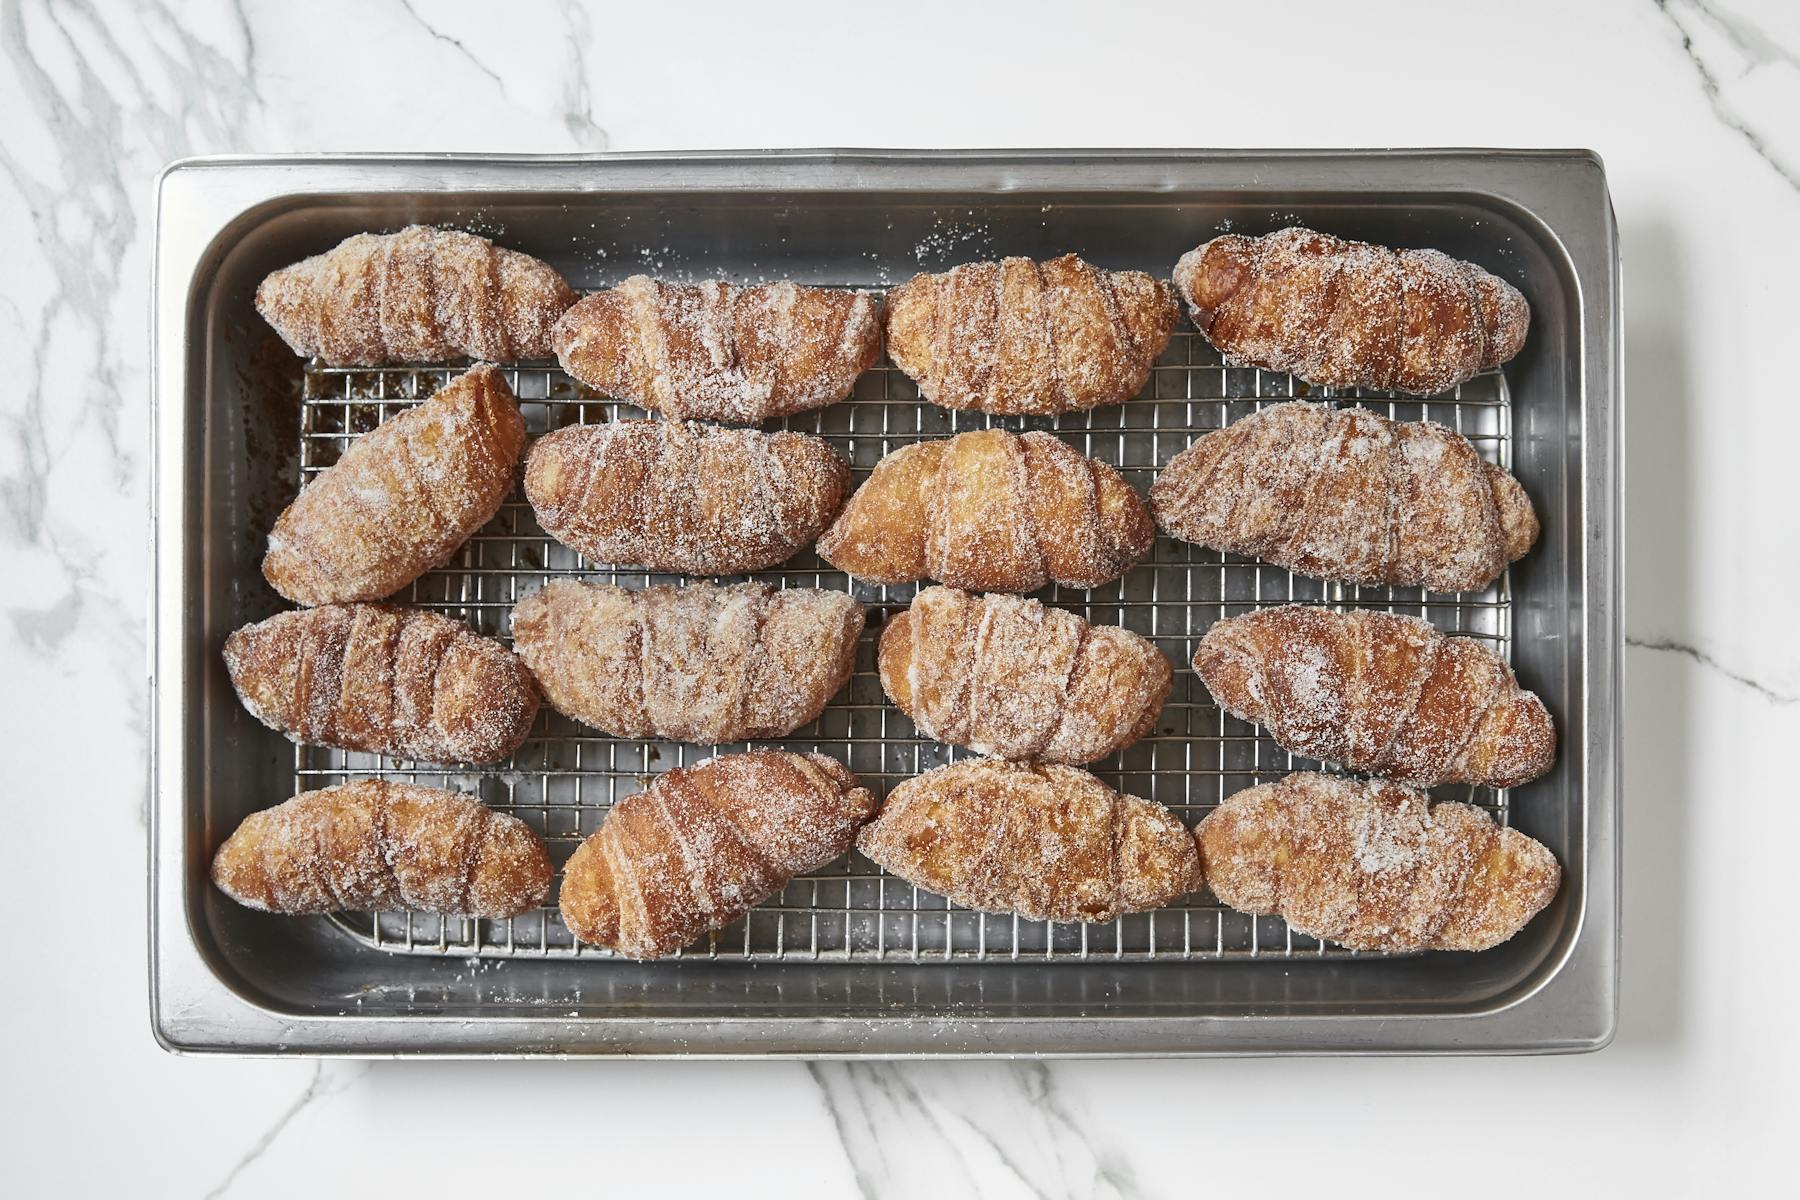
point(848, 940)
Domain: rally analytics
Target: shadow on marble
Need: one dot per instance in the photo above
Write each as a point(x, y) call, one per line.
point(1663, 392)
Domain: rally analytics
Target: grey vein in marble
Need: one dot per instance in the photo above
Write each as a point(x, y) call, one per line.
point(89, 125)
point(317, 1088)
point(1111, 1175)
point(1754, 49)
point(1670, 646)
point(577, 98)
point(457, 43)
point(1758, 47)
point(242, 17)
point(115, 96)
point(907, 1127)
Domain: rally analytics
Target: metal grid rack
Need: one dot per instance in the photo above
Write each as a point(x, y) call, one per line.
point(565, 777)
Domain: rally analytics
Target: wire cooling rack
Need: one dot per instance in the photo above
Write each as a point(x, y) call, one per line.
point(565, 777)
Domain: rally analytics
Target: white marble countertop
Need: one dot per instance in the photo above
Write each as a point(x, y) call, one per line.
point(1696, 109)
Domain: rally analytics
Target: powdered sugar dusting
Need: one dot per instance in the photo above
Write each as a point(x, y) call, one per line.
point(947, 238)
point(1380, 847)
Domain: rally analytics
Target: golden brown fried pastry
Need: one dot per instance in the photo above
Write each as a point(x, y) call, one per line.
point(1373, 865)
point(1048, 842)
point(1348, 314)
point(403, 498)
point(704, 844)
point(717, 352)
point(384, 680)
point(1347, 495)
point(684, 497)
point(1011, 677)
point(992, 511)
point(1018, 336)
point(1380, 693)
point(418, 296)
point(372, 846)
point(699, 663)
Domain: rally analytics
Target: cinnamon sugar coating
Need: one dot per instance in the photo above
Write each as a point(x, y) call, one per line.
point(403, 498)
point(418, 296)
point(1381, 693)
point(683, 497)
point(700, 663)
point(990, 510)
point(1349, 314)
point(1011, 677)
point(702, 845)
point(1374, 865)
point(1049, 842)
point(384, 680)
point(1018, 336)
point(1348, 495)
point(718, 352)
point(374, 846)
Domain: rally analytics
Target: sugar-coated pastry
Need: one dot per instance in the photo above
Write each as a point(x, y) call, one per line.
point(422, 295)
point(1349, 314)
point(714, 351)
point(1014, 678)
point(700, 663)
point(403, 498)
point(702, 845)
point(1374, 865)
point(683, 497)
point(1018, 336)
point(1348, 495)
point(374, 846)
point(990, 511)
point(1048, 842)
point(1380, 693)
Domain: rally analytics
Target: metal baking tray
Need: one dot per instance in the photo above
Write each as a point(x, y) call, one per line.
point(848, 961)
